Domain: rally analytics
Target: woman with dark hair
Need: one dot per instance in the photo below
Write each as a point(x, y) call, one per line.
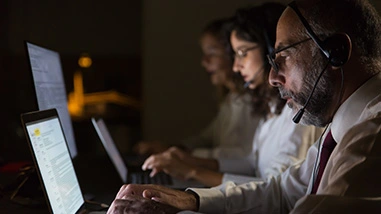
point(231, 131)
point(255, 26)
point(278, 142)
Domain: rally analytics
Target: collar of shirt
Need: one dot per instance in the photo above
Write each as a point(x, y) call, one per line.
point(349, 113)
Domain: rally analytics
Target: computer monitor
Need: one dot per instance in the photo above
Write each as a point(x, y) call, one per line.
point(50, 88)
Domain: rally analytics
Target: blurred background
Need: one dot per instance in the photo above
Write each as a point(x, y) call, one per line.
point(147, 51)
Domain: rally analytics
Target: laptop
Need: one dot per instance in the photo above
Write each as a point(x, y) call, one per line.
point(130, 176)
point(53, 162)
point(50, 88)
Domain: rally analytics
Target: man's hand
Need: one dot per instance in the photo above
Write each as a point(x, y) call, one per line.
point(139, 205)
point(175, 198)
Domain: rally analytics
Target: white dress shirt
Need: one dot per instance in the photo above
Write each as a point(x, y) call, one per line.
point(278, 144)
point(353, 169)
point(229, 134)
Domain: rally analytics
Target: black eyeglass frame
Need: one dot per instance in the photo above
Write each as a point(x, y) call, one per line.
point(271, 56)
point(243, 52)
point(310, 33)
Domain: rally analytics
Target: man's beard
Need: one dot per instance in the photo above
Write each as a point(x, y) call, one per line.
point(316, 112)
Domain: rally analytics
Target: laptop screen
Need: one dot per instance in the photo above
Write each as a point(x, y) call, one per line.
point(50, 87)
point(110, 148)
point(52, 157)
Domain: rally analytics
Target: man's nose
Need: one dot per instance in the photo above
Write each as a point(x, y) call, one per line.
point(275, 78)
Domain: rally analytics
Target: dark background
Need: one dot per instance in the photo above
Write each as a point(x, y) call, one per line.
point(110, 33)
point(146, 49)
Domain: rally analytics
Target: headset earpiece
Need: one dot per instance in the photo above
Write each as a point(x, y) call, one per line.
point(338, 46)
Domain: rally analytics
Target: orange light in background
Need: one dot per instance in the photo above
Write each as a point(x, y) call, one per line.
point(85, 61)
point(76, 97)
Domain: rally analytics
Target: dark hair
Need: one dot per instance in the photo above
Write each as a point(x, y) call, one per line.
point(357, 18)
point(258, 24)
point(221, 30)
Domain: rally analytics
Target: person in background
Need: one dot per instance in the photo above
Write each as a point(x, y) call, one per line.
point(278, 143)
point(328, 64)
point(231, 131)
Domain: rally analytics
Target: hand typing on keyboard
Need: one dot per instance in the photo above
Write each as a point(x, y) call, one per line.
point(170, 162)
point(145, 178)
point(134, 198)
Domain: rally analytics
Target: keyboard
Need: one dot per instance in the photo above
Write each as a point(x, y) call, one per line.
point(144, 178)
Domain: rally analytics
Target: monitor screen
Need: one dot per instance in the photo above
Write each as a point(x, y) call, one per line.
point(110, 147)
point(50, 87)
point(56, 168)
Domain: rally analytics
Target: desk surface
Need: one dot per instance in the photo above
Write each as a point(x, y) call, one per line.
point(95, 175)
point(15, 206)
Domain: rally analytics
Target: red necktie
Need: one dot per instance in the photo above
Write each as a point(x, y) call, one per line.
point(328, 146)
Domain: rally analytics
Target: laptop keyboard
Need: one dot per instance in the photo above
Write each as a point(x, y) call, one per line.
point(144, 178)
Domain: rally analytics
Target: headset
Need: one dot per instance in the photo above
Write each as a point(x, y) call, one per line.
point(333, 48)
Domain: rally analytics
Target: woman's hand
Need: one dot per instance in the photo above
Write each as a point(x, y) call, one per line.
point(149, 147)
point(171, 163)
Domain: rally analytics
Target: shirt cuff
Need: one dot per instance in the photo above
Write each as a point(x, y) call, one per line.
point(201, 153)
point(239, 179)
point(211, 200)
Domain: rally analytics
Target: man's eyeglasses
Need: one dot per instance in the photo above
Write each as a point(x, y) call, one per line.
point(243, 52)
point(271, 56)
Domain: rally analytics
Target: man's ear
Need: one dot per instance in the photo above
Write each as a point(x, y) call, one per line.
point(339, 47)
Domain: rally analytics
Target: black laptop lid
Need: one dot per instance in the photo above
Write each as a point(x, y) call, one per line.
point(51, 155)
